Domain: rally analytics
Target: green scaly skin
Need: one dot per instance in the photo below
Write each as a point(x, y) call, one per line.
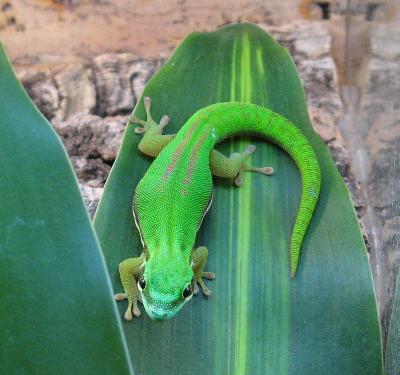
point(172, 198)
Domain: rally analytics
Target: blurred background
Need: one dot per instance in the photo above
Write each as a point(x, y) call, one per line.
point(84, 64)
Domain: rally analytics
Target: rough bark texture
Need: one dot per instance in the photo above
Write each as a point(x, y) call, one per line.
point(380, 109)
point(91, 27)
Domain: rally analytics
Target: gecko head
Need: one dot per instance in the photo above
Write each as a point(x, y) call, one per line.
point(166, 285)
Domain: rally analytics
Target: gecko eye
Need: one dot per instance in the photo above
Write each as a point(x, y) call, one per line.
point(187, 292)
point(142, 283)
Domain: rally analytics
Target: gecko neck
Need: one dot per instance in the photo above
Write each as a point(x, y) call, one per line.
point(170, 248)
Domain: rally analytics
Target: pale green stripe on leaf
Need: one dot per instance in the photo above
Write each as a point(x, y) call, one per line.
point(243, 223)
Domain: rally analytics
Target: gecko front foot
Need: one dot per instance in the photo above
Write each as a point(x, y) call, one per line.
point(129, 271)
point(132, 306)
point(199, 281)
point(199, 259)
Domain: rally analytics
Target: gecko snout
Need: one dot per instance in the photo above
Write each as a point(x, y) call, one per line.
point(158, 315)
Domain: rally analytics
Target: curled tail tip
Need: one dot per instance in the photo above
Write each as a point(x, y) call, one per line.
point(293, 269)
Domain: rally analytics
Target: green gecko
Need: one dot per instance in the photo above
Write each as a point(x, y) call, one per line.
point(172, 198)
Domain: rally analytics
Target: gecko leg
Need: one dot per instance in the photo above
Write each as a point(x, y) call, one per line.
point(235, 166)
point(199, 259)
point(153, 140)
point(129, 271)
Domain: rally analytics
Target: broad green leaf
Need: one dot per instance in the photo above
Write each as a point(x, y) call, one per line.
point(392, 360)
point(258, 320)
point(56, 312)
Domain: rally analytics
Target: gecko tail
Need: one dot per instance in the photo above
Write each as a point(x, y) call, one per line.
point(238, 118)
point(285, 134)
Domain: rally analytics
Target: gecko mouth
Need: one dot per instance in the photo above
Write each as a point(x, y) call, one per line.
point(158, 315)
point(155, 311)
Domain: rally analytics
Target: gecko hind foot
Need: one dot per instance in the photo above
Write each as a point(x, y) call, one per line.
point(245, 168)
